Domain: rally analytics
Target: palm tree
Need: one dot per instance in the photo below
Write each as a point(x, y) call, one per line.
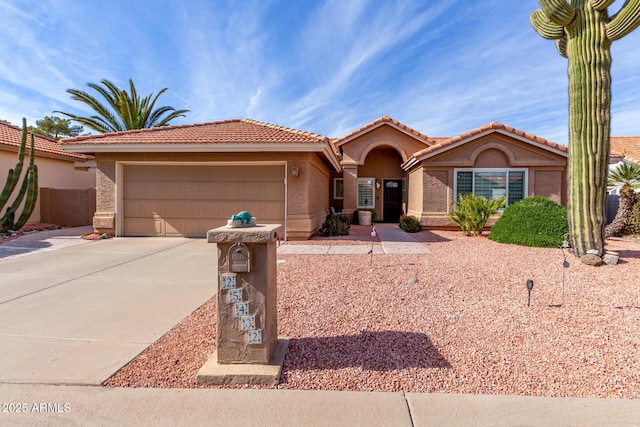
point(628, 176)
point(123, 111)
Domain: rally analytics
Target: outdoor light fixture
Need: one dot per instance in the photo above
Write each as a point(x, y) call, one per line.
point(529, 288)
point(377, 185)
point(295, 171)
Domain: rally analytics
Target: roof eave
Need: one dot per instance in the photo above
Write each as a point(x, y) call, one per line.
point(457, 144)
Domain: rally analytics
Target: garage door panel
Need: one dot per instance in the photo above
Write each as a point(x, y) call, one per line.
point(194, 190)
point(273, 191)
point(173, 190)
point(234, 191)
point(144, 227)
point(211, 209)
point(273, 211)
point(161, 200)
point(174, 227)
point(173, 209)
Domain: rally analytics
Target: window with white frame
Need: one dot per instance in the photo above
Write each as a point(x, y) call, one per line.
point(492, 183)
point(338, 188)
point(366, 187)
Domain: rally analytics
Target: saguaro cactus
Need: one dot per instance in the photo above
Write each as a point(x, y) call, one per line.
point(28, 188)
point(583, 32)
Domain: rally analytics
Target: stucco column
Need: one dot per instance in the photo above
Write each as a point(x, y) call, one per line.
point(350, 188)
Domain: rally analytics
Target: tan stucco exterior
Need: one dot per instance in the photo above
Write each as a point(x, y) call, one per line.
point(307, 194)
point(376, 153)
point(432, 200)
point(407, 171)
point(53, 172)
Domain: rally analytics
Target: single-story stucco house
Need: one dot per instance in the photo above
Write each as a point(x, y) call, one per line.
point(183, 180)
point(66, 180)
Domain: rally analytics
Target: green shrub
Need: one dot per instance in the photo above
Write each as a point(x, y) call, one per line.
point(471, 212)
point(410, 224)
point(534, 221)
point(335, 226)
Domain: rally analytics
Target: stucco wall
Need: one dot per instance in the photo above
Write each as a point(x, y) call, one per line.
point(308, 194)
point(376, 154)
point(52, 173)
point(546, 174)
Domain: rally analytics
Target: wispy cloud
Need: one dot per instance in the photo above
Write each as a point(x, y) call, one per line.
point(441, 67)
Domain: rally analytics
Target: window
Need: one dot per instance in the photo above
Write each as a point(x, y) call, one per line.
point(366, 188)
point(338, 188)
point(492, 183)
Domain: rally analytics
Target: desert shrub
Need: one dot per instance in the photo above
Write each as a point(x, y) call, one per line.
point(337, 225)
point(410, 224)
point(534, 221)
point(633, 225)
point(471, 212)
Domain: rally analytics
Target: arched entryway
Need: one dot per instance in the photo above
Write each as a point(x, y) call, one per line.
point(387, 185)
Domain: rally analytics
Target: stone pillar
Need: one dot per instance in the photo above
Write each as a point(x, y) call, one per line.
point(247, 327)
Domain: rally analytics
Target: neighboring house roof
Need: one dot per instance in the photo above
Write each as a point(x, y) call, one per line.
point(627, 147)
point(235, 135)
point(384, 120)
point(10, 137)
point(443, 145)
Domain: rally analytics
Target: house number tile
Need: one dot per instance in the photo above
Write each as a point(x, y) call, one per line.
point(255, 336)
point(235, 295)
point(241, 309)
point(227, 281)
point(247, 323)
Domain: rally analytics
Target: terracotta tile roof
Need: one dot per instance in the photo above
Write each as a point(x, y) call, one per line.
point(497, 126)
point(10, 136)
point(627, 147)
point(227, 131)
point(384, 119)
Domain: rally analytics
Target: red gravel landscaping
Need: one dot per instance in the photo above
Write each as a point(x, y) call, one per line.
point(462, 327)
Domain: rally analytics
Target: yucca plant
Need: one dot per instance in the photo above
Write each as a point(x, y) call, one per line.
point(471, 212)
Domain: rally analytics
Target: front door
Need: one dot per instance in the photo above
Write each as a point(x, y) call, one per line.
point(392, 200)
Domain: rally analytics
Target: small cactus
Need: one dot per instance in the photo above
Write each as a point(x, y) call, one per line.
point(28, 188)
point(583, 32)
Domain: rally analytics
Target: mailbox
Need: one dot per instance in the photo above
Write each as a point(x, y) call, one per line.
point(239, 258)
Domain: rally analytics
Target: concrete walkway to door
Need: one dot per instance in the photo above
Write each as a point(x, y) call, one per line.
point(393, 240)
point(77, 314)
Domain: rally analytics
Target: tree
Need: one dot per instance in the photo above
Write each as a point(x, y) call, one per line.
point(54, 127)
point(123, 110)
point(583, 33)
point(626, 175)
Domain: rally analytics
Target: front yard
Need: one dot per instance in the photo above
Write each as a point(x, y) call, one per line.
point(453, 321)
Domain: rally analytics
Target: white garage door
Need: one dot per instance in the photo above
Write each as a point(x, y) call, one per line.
point(161, 200)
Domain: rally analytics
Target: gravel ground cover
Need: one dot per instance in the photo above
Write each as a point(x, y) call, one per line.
point(453, 321)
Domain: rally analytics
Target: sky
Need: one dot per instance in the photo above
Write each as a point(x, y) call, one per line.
point(328, 67)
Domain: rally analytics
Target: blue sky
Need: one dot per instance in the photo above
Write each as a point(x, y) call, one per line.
point(329, 67)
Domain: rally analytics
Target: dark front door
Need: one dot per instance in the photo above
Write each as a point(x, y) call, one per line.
point(392, 200)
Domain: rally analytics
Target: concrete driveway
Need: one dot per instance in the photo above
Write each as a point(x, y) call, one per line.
point(77, 314)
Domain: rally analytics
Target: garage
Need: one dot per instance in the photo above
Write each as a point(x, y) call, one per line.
point(171, 200)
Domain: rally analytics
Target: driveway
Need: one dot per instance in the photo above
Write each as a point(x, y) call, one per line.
point(77, 314)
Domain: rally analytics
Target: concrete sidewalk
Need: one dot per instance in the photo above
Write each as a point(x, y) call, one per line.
point(72, 405)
